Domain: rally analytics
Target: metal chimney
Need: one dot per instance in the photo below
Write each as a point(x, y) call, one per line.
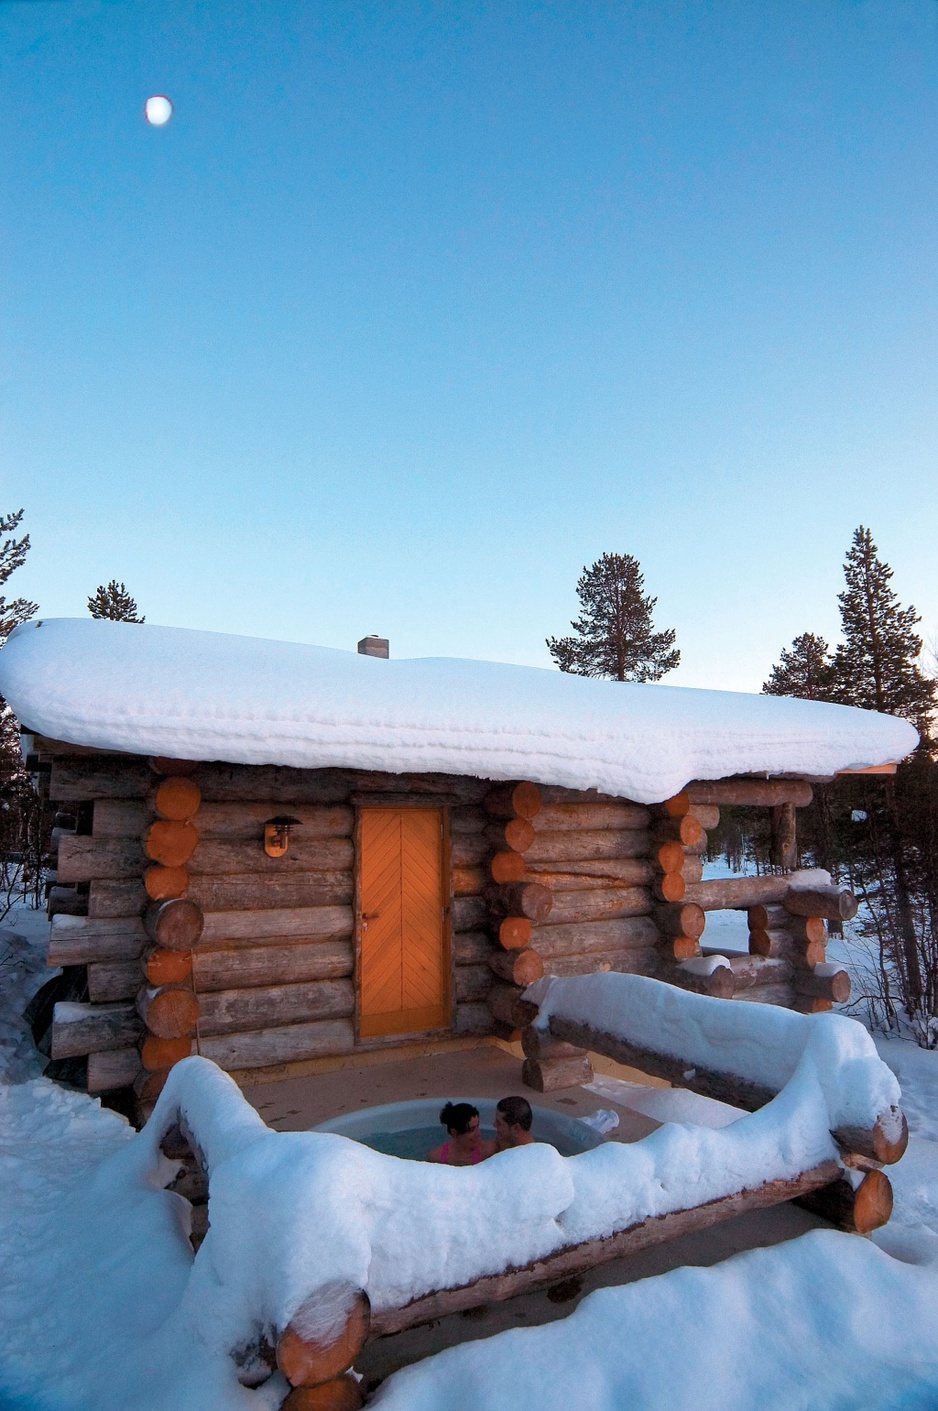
point(373, 646)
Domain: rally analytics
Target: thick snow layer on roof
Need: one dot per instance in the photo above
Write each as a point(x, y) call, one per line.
point(209, 696)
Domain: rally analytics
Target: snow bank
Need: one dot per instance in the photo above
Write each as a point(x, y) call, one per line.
point(207, 696)
point(826, 1322)
point(106, 1307)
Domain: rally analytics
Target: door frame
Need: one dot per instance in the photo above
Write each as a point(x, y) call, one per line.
point(449, 959)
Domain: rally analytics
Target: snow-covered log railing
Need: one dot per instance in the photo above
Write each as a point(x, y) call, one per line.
point(315, 1243)
point(741, 1054)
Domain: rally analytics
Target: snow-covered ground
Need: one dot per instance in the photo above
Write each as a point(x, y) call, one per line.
point(93, 1312)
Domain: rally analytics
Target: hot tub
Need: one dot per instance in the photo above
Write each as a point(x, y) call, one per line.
point(412, 1129)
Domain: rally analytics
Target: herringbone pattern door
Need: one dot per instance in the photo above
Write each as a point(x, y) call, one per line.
point(404, 972)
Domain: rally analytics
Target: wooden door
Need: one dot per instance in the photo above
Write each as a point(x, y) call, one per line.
point(403, 957)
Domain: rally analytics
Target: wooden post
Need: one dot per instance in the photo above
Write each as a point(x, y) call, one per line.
point(547, 1075)
point(784, 848)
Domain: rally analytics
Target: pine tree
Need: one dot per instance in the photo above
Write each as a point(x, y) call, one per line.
point(12, 555)
point(806, 671)
point(114, 602)
point(876, 667)
point(876, 664)
point(614, 636)
point(21, 835)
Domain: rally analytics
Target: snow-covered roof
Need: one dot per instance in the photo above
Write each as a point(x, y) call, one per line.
point(210, 696)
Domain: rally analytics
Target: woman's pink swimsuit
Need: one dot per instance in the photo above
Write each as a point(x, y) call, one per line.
point(445, 1161)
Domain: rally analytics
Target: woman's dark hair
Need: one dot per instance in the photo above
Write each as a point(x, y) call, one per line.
point(456, 1117)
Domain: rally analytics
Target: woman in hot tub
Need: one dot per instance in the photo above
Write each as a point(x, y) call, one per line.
point(466, 1146)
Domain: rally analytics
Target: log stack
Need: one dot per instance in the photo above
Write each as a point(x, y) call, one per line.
point(166, 1001)
point(576, 894)
point(680, 840)
point(514, 903)
point(787, 930)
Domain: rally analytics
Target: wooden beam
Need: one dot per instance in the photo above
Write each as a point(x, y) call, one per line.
point(830, 903)
point(81, 858)
point(724, 1087)
point(578, 1259)
point(82, 940)
point(114, 1069)
point(592, 843)
point(262, 1006)
point(79, 1029)
point(726, 893)
point(596, 904)
point(871, 769)
point(575, 817)
point(581, 938)
point(248, 966)
point(286, 1043)
point(884, 1142)
point(227, 929)
point(751, 793)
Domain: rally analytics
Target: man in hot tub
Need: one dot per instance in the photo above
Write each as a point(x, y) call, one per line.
point(513, 1118)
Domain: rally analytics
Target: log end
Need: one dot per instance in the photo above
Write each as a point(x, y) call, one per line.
point(885, 1141)
point(890, 1136)
point(514, 933)
point(677, 806)
point(167, 967)
point(161, 883)
point(177, 798)
point(340, 1394)
point(671, 887)
point(170, 843)
point(157, 1053)
point(873, 1201)
point(170, 1012)
point(175, 924)
point(309, 1361)
point(507, 867)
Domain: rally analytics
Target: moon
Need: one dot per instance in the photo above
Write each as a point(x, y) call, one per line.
point(158, 110)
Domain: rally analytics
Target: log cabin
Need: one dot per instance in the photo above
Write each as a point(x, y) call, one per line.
point(270, 854)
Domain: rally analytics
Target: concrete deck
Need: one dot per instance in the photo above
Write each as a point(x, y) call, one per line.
point(296, 1104)
point(493, 1071)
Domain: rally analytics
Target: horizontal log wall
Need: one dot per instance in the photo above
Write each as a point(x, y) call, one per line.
point(542, 877)
point(593, 854)
point(273, 969)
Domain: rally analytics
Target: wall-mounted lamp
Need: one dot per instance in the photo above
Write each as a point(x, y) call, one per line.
point(277, 834)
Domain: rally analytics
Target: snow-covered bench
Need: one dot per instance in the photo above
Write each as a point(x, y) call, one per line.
point(316, 1243)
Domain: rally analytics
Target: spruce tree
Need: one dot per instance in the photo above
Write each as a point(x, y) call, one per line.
point(21, 833)
point(806, 671)
point(614, 632)
point(114, 602)
point(876, 667)
point(12, 555)
point(876, 664)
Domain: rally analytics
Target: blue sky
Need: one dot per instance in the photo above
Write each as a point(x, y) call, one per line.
point(415, 309)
